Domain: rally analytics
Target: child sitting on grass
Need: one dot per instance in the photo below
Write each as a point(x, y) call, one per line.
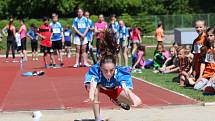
point(171, 63)
point(159, 58)
point(207, 70)
point(184, 68)
point(138, 61)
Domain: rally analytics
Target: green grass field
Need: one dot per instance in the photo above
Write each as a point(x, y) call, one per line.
point(165, 80)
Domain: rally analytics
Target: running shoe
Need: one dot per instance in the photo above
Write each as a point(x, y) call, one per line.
point(61, 64)
point(24, 59)
point(14, 61)
point(76, 66)
point(6, 61)
point(48, 66)
point(122, 105)
point(86, 65)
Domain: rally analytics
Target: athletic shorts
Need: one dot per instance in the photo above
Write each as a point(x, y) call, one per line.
point(34, 45)
point(45, 49)
point(112, 93)
point(19, 48)
point(135, 41)
point(77, 41)
point(67, 43)
point(57, 45)
point(23, 43)
point(123, 43)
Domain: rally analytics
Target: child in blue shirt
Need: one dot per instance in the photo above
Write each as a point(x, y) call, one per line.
point(81, 27)
point(68, 38)
point(57, 38)
point(32, 34)
point(123, 42)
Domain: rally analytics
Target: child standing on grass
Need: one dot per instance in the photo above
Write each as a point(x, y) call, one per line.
point(159, 33)
point(197, 44)
point(138, 61)
point(68, 38)
point(123, 37)
point(135, 38)
point(32, 34)
point(159, 58)
point(206, 77)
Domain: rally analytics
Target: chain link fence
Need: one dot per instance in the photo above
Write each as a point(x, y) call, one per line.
point(183, 21)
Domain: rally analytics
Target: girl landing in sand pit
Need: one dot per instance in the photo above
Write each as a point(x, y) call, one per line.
point(108, 78)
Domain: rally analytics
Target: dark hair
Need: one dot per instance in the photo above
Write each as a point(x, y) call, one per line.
point(33, 25)
point(159, 24)
point(45, 18)
point(212, 29)
point(141, 47)
point(17, 30)
point(79, 9)
point(207, 43)
point(22, 20)
point(108, 59)
point(113, 15)
point(159, 44)
point(109, 49)
point(86, 12)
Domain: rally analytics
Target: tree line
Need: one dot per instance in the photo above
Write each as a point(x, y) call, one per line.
point(66, 8)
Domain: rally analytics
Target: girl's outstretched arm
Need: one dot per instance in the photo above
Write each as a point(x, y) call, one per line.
point(93, 86)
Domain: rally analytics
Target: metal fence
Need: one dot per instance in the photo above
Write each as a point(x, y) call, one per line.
point(183, 21)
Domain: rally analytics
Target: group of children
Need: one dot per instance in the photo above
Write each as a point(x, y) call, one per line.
point(194, 63)
point(53, 38)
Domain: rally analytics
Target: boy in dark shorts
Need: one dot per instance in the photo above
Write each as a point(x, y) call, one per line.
point(46, 46)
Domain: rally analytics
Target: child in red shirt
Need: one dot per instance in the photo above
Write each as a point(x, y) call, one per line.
point(45, 33)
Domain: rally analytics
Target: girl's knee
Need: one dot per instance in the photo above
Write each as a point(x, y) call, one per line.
point(137, 102)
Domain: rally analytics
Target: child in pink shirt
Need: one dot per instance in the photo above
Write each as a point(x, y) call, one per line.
point(138, 61)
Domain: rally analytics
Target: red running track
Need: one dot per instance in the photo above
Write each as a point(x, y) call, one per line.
point(63, 88)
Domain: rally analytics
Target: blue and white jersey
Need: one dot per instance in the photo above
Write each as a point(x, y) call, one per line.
point(67, 35)
point(115, 27)
point(33, 34)
point(90, 32)
point(81, 24)
point(123, 33)
point(120, 77)
point(57, 30)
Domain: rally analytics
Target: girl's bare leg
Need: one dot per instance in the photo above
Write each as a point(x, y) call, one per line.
point(134, 48)
point(77, 54)
point(125, 54)
point(130, 99)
